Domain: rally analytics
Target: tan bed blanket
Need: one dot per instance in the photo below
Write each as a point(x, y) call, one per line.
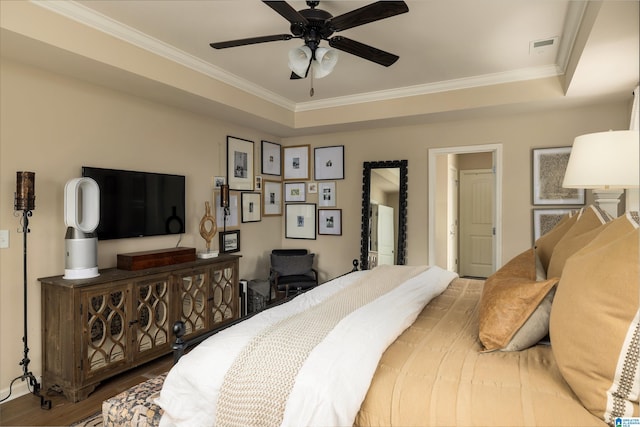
point(434, 374)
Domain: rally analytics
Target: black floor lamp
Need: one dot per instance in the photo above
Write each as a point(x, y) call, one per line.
point(25, 201)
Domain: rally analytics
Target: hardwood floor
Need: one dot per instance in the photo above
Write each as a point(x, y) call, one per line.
point(25, 410)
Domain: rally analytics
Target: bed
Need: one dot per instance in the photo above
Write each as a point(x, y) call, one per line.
point(434, 349)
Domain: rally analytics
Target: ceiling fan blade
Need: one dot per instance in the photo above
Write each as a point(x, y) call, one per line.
point(363, 51)
point(370, 13)
point(250, 40)
point(287, 12)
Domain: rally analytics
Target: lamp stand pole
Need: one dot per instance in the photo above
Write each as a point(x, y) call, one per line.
point(33, 383)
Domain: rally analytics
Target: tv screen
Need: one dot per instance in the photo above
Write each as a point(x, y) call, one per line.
point(137, 204)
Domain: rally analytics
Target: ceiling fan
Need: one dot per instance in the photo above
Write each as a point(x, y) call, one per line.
point(314, 25)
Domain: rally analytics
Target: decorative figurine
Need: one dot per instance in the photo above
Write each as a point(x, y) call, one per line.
point(208, 233)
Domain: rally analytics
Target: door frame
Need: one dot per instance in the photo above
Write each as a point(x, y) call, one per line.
point(496, 150)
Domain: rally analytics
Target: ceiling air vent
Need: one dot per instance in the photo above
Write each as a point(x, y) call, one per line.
point(537, 47)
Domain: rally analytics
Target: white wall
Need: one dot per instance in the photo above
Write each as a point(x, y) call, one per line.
point(53, 125)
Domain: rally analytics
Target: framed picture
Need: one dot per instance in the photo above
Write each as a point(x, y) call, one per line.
point(545, 219)
point(300, 221)
point(271, 158)
point(329, 163)
point(294, 192)
point(219, 181)
point(232, 218)
point(258, 184)
point(239, 164)
point(272, 198)
point(312, 187)
point(296, 163)
point(330, 221)
point(327, 194)
point(251, 207)
point(229, 241)
point(549, 166)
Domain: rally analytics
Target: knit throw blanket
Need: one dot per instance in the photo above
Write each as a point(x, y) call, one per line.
point(257, 385)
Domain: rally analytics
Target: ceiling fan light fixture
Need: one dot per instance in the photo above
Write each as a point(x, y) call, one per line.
point(326, 60)
point(299, 58)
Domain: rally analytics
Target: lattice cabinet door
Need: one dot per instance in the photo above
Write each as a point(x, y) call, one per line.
point(223, 293)
point(105, 316)
point(152, 320)
point(192, 288)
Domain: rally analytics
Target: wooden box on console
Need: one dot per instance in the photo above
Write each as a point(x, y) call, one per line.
point(158, 258)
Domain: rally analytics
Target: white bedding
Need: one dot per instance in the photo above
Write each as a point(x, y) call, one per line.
point(333, 381)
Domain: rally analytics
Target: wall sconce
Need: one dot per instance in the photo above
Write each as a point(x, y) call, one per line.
point(606, 163)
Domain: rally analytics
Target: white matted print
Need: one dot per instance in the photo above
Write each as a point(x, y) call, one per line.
point(330, 221)
point(271, 158)
point(272, 198)
point(294, 192)
point(300, 221)
point(232, 218)
point(327, 194)
point(549, 166)
point(296, 162)
point(329, 163)
point(239, 164)
point(251, 207)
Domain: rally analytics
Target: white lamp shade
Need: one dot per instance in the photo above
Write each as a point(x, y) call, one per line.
point(326, 60)
point(604, 160)
point(299, 59)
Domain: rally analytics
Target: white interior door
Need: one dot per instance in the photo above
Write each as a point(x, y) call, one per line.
point(386, 253)
point(452, 220)
point(477, 222)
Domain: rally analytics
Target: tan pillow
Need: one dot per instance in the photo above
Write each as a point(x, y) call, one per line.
point(509, 298)
point(594, 324)
point(545, 244)
point(585, 228)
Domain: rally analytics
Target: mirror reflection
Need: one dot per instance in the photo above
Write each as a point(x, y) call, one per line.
point(383, 213)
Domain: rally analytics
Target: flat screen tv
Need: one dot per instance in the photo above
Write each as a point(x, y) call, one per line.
point(138, 204)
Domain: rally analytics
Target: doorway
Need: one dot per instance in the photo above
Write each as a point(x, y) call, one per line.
point(442, 214)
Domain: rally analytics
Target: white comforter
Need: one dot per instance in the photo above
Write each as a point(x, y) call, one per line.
point(332, 383)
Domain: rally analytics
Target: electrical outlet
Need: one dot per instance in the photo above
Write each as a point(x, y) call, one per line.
point(4, 239)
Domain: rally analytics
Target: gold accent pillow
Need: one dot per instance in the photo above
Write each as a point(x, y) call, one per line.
point(586, 227)
point(509, 298)
point(545, 244)
point(594, 326)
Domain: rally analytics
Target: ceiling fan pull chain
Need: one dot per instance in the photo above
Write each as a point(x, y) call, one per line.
point(311, 91)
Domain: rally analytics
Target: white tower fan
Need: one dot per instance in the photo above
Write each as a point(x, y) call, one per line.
point(81, 216)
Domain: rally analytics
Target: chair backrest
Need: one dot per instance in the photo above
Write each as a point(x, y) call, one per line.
point(290, 264)
point(289, 251)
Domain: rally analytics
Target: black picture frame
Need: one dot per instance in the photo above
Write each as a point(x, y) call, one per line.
point(271, 154)
point(229, 241)
point(328, 163)
point(240, 174)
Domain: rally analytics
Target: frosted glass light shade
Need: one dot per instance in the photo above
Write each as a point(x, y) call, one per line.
point(326, 60)
point(299, 59)
point(604, 160)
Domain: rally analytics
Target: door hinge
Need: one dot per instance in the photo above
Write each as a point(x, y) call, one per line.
point(493, 230)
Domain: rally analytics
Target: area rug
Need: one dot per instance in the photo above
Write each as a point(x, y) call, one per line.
point(94, 420)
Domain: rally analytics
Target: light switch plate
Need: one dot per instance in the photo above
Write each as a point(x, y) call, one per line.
point(4, 239)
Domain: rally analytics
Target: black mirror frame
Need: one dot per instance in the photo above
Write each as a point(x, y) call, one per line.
point(402, 207)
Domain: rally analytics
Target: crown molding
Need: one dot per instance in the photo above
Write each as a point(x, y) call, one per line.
point(100, 22)
point(103, 23)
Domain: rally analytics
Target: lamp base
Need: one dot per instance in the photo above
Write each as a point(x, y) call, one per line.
point(207, 254)
point(80, 273)
point(608, 200)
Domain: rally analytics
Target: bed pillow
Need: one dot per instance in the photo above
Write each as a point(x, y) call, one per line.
point(509, 298)
point(583, 230)
point(545, 244)
point(594, 326)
